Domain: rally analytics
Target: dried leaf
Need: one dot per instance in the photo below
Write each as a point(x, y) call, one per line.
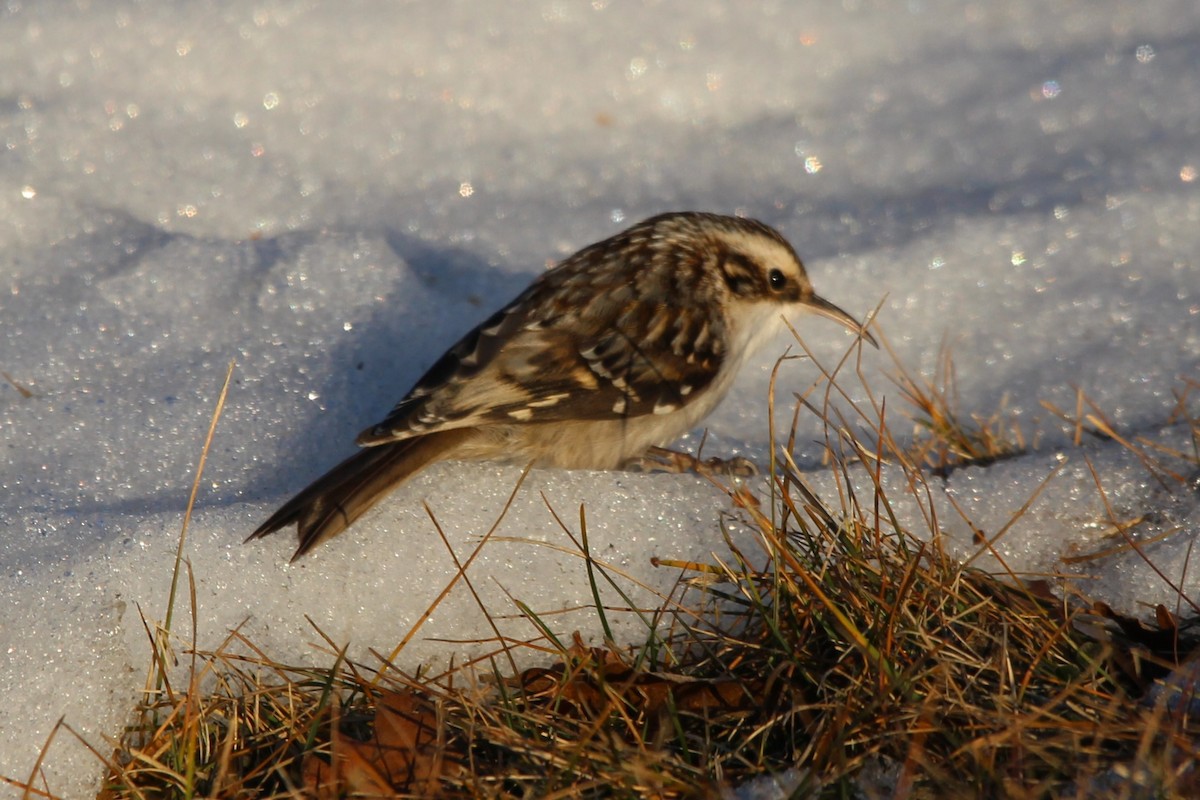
point(403, 756)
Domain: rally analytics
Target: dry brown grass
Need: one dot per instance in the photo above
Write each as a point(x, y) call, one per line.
point(842, 647)
point(943, 440)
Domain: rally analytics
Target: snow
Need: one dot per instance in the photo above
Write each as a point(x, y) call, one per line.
point(330, 194)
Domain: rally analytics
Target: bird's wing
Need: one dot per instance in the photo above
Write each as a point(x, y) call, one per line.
point(550, 355)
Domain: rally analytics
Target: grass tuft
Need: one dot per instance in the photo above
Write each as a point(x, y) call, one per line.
point(828, 647)
point(945, 439)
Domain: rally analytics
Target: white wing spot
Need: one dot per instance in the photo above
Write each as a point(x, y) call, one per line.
point(620, 406)
point(549, 400)
point(522, 414)
point(665, 408)
point(597, 368)
point(685, 389)
point(492, 330)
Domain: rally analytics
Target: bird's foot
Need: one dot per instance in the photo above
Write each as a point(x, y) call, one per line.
point(660, 459)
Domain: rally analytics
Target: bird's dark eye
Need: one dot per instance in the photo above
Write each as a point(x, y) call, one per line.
point(777, 278)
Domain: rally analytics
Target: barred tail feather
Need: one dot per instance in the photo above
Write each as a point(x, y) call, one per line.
point(328, 505)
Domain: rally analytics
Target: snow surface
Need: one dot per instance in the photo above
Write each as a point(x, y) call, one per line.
point(331, 193)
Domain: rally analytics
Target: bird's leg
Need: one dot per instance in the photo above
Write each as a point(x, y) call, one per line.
point(661, 459)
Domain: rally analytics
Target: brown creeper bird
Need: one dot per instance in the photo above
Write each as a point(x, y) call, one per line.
point(614, 352)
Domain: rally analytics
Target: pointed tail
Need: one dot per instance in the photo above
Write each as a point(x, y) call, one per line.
point(328, 505)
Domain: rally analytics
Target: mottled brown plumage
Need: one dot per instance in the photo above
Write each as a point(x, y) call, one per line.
point(624, 346)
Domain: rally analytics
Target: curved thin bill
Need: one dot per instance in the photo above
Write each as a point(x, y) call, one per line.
point(825, 308)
